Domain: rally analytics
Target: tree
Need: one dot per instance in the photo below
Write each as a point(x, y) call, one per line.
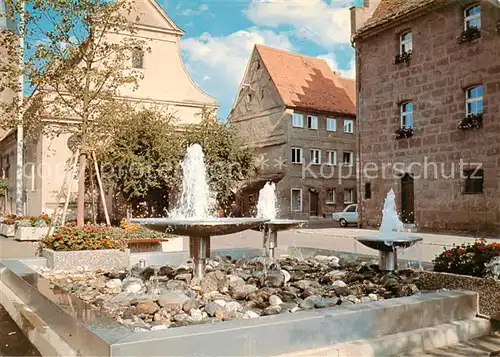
point(147, 149)
point(77, 64)
point(229, 159)
point(142, 156)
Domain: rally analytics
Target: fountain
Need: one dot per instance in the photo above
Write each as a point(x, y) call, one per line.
point(267, 209)
point(193, 216)
point(390, 238)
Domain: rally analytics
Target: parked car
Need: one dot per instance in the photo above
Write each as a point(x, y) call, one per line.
point(348, 216)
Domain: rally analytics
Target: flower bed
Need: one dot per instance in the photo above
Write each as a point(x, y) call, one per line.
point(472, 267)
point(32, 228)
point(7, 228)
point(90, 246)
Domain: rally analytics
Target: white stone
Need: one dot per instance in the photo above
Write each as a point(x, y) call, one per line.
point(275, 300)
point(159, 327)
point(373, 297)
point(113, 283)
point(322, 257)
point(250, 315)
point(233, 306)
point(339, 284)
point(286, 275)
point(196, 314)
point(221, 303)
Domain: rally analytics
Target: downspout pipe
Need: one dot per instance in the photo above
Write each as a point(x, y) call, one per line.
point(359, 171)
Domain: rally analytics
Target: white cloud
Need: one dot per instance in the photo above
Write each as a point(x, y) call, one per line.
point(313, 20)
point(225, 57)
point(349, 72)
point(190, 12)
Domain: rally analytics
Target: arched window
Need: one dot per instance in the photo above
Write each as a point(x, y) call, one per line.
point(137, 58)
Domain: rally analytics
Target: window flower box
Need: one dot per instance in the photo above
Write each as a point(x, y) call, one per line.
point(473, 121)
point(404, 57)
point(403, 133)
point(469, 35)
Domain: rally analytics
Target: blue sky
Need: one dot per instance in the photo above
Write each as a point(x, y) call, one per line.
point(220, 35)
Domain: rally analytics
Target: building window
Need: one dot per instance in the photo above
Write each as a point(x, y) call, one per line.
point(348, 158)
point(316, 156)
point(472, 17)
point(349, 196)
point(297, 120)
point(332, 158)
point(348, 126)
point(312, 122)
point(296, 200)
point(137, 58)
point(296, 155)
point(474, 180)
point(368, 190)
point(331, 124)
point(407, 115)
point(330, 196)
point(474, 100)
point(405, 43)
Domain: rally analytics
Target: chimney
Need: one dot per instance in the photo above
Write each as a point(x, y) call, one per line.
point(360, 14)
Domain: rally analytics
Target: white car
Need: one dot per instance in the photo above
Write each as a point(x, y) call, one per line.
point(348, 216)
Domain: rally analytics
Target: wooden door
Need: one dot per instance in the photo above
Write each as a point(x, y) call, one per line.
point(407, 199)
point(314, 204)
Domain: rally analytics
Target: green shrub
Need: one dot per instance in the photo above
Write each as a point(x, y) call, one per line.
point(88, 237)
point(467, 259)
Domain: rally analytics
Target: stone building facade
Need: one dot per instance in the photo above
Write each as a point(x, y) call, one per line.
point(428, 82)
point(301, 118)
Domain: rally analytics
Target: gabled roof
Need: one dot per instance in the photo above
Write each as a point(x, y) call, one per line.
point(151, 14)
point(388, 10)
point(305, 82)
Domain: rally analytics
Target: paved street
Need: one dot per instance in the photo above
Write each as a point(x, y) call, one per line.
point(341, 239)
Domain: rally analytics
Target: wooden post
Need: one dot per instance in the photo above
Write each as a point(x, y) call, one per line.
point(101, 189)
point(92, 190)
point(70, 187)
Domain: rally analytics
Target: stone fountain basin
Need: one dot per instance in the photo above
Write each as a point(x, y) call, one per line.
point(281, 224)
point(389, 244)
point(199, 228)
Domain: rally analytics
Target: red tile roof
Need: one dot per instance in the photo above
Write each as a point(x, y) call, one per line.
point(388, 10)
point(305, 82)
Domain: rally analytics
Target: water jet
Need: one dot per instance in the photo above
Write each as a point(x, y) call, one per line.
point(267, 209)
point(193, 216)
point(391, 236)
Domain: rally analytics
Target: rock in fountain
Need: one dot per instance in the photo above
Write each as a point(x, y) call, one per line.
point(391, 237)
point(193, 216)
point(267, 209)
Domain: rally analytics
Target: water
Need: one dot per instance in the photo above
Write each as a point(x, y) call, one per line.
point(390, 218)
point(267, 204)
point(197, 201)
